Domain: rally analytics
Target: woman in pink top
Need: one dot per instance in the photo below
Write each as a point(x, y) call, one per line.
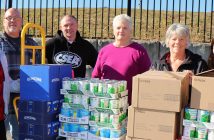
point(122, 59)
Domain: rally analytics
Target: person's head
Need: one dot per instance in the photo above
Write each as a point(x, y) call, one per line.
point(177, 37)
point(122, 27)
point(12, 22)
point(69, 27)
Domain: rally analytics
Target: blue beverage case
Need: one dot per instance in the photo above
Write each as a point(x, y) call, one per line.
point(42, 82)
point(37, 118)
point(43, 130)
point(34, 137)
point(39, 106)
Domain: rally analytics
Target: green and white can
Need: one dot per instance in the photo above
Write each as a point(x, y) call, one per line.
point(120, 86)
point(85, 101)
point(94, 102)
point(100, 88)
point(125, 99)
point(190, 114)
point(68, 98)
point(94, 87)
point(77, 99)
point(66, 84)
point(111, 88)
point(104, 117)
point(212, 117)
point(203, 116)
point(84, 85)
point(104, 103)
point(124, 84)
point(105, 85)
point(189, 131)
point(114, 119)
point(74, 85)
point(201, 133)
point(210, 134)
point(95, 116)
point(114, 104)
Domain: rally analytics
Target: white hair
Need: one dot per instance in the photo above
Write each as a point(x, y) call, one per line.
point(180, 29)
point(123, 17)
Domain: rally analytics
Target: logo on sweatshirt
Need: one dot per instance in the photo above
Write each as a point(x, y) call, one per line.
point(65, 57)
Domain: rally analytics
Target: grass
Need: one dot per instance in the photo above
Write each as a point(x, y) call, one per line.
point(98, 24)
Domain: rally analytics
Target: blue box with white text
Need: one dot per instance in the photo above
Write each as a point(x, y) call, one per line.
point(42, 82)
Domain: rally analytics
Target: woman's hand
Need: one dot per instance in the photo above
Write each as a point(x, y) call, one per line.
point(190, 73)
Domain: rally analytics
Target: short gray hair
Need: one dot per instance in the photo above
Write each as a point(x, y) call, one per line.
point(180, 30)
point(123, 17)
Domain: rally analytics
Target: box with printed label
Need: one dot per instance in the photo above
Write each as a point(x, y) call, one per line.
point(36, 137)
point(169, 92)
point(42, 82)
point(37, 118)
point(39, 106)
point(202, 91)
point(43, 130)
point(152, 124)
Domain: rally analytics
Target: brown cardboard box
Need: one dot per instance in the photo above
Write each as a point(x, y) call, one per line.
point(151, 124)
point(130, 138)
point(166, 73)
point(160, 91)
point(202, 96)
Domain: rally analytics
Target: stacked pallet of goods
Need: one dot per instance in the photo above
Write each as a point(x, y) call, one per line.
point(40, 99)
point(93, 109)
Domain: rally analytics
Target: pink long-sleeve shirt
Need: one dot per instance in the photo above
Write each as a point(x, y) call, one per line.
point(121, 63)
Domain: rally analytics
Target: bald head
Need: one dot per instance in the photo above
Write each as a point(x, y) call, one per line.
point(12, 22)
point(68, 17)
point(14, 11)
point(69, 26)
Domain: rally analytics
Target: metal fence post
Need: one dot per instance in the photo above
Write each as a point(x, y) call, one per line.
point(10, 3)
point(129, 8)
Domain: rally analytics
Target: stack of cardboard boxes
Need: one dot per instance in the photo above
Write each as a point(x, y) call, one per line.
point(200, 123)
point(157, 100)
point(39, 104)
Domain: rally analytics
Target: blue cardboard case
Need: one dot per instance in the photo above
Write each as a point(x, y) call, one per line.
point(33, 137)
point(42, 82)
point(37, 118)
point(39, 106)
point(44, 130)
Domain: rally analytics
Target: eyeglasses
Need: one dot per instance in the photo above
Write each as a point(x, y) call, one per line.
point(12, 18)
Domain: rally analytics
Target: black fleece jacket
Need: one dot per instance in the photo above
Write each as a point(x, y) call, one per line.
point(193, 62)
point(79, 54)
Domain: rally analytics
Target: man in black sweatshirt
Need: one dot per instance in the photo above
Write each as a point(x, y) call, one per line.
point(68, 47)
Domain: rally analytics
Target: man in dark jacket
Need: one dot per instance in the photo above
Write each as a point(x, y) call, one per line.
point(68, 47)
point(10, 44)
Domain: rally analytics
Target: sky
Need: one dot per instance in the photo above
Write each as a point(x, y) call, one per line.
point(116, 3)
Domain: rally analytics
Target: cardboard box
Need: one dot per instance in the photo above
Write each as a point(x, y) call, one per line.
point(42, 82)
point(33, 137)
point(43, 130)
point(160, 91)
point(130, 138)
point(165, 73)
point(39, 106)
point(37, 118)
point(152, 124)
point(202, 96)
